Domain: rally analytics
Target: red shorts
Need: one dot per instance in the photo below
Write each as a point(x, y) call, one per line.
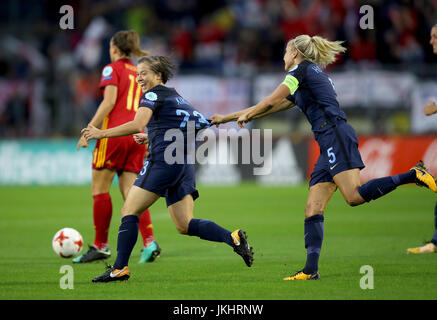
point(121, 154)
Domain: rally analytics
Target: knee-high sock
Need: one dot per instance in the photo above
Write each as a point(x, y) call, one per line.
point(146, 228)
point(314, 232)
point(208, 230)
point(376, 188)
point(127, 237)
point(434, 237)
point(102, 214)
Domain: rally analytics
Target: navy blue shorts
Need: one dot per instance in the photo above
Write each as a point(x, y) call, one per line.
point(173, 182)
point(338, 152)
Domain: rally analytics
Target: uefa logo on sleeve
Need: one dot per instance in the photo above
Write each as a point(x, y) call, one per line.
point(107, 71)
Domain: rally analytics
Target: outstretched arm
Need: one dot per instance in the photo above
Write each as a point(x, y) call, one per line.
point(282, 105)
point(219, 118)
point(280, 93)
point(142, 117)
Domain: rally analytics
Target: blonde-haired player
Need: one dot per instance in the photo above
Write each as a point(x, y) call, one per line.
point(307, 86)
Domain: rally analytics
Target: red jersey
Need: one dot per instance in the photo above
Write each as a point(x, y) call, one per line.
point(121, 73)
point(121, 153)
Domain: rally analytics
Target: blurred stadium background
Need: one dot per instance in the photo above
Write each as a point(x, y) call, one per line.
point(229, 54)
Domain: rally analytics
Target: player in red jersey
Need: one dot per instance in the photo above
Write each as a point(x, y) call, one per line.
point(121, 156)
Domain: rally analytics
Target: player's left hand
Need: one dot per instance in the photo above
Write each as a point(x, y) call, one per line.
point(92, 132)
point(244, 118)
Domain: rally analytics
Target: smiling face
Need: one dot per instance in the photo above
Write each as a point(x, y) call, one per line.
point(433, 39)
point(146, 78)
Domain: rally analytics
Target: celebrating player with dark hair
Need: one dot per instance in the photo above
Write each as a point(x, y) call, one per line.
point(162, 109)
point(339, 163)
point(122, 155)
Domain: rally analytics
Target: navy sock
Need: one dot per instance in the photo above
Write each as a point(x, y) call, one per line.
point(127, 237)
point(404, 178)
point(314, 231)
point(434, 237)
point(208, 230)
point(376, 188)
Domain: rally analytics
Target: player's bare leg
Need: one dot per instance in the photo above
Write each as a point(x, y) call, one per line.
point(348, 182)
point(318, 198)
point(151, 250)
point(125, 181)
point(101, 181)
point(102, 214)
point(182, 215)
point(136, 202)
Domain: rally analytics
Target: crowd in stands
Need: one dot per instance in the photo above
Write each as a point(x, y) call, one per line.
point(49, 76)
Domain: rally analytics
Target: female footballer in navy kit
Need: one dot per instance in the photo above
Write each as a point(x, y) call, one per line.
point(161, 108)
point(312, 91)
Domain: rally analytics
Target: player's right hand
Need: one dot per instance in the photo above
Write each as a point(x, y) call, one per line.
point(141, 138)
point(217, 119)
point(244, 118)
point(82, 143)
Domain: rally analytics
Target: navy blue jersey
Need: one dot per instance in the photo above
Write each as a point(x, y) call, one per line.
point(313, 92)
point(170, 111)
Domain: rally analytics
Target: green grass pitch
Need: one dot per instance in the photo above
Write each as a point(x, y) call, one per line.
point(375, 234)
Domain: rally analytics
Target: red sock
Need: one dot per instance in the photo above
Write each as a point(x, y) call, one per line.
point(146, 228)
point(102, 213)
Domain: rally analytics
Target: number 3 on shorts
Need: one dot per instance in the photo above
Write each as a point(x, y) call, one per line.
point(331, 155)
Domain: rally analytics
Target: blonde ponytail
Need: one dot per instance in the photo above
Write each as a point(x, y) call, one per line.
point(317, 49)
